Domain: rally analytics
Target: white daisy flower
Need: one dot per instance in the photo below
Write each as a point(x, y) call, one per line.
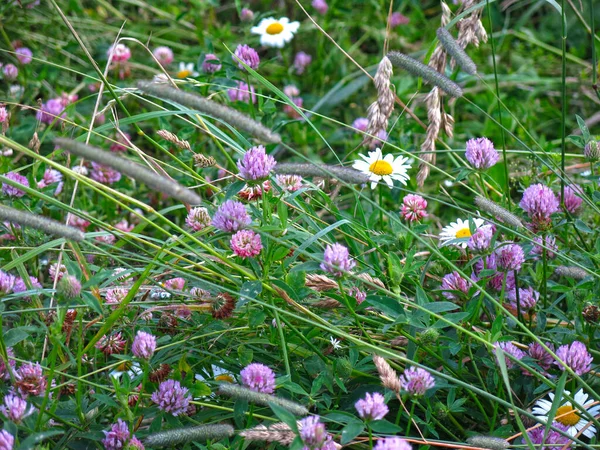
point(275, 32)
point(568, 415)
point(335, 343)
point(186, 70)
point(131, 369)
point(458, 230)
point(383, 168)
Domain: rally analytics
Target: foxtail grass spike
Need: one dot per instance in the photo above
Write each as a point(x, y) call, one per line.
point(427, 73)
point(456, 51)
point(490, 442)
point(571, 272)
point(498, 211)
point(227, 114)
point(131, 169)
point(278, 432)
point(346, 174)
point(26, 219)
point(171, 438)
point(237, 391)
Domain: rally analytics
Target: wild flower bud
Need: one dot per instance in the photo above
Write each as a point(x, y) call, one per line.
point(592, 150)
point(69, 286)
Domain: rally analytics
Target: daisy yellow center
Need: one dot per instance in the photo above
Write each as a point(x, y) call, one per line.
point(184, 73)
point(124, 366)
point(224, 377)
point(567, 415)
point(381, 168)
point(463, 233)
point(275, 28)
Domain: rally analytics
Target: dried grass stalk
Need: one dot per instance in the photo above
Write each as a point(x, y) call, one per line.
point(173, 139)
point(388, 376)
point(327, 303)
point(369, 280)
point(380, 110)
point(320, 282)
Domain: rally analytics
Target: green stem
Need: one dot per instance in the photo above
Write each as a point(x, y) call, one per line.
point(564, 104)
point(412, 413)
point(506, 176)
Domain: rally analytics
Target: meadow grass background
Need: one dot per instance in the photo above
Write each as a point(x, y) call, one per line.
point(534, 96)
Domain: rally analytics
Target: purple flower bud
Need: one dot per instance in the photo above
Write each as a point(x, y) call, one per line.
point(372, 407)
point(198, 219)
point(360, 124)
point(481, 240)
point(24, 55)
point(576, 357)
point(511, 349)
point(171, 397)
point(69, 286)
point(301, 61)
point(336, 260)
point(211, 67)
point(6, 440)
point(454, 286)
point(415, 381)
point(15, 408)
point(510, 257)
point(573, 200)
point(246, 55)
point(539, 202)
point(231, 217)
point(397, 19)
point(259, 378)
point(392, 443)
point(321, 6)
point(528, 298)
point(10, 72)
point(104, 174)
point(143, 345)
point(256, 165)
point(12, 191)
point(413, 208)
point(241, 93)
point(246, 15)
point(481, 153)
point(164, 55)
point(246, 244)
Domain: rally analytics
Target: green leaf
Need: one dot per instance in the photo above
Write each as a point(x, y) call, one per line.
point(33, 439)
point(386, 305)
point(350, 431)
point(249, 290)
point(14, 336)
point(581, 226)
point(576, 140)
point(385, 427)
point(285, 416)
point(583, 127)
point(239, 412)
point(245, 355)
point(440, 307)
point(394, 269)
point(558, 398)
